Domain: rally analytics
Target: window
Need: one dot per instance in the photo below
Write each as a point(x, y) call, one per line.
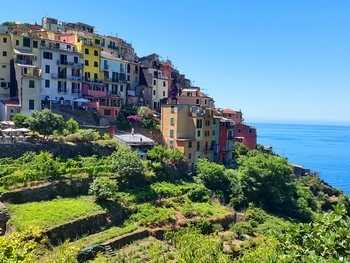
point(171, 133)
point(199, 124)
point(75, 88)
point(3, 66)
point(97, 41)
point(154, 92)
point(205, 101)
point(47, 55)
point(121, 88)
point(95, 76)
point(198, 146)
point(17, 42)
point(35, 43)
point(95, 64)
point(164, 84)
point(3, 84)
point(25, 71)
point(4, 40)
point(76, 60)
point(86, 51)
point(47, 68)
point(250, 130)
point(31, 84)
point(107, 112)
point(163, 93)
point(86, 62)
point(190, 144)
point(198, 133)
point(154, 82)
point(31, 104)
point(47, 83)
point(4, 54)
point(95, 53)
point(189, 156)
point(197, 101)
point(26, 41)
point(172, 109)
point(172, 123)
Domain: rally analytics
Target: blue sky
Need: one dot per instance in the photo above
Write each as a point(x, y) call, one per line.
point(275, 60)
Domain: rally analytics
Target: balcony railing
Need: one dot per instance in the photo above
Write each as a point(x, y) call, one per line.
point(76, 78)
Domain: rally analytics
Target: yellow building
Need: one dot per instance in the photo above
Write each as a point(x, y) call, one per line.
point(188, 129)
point(89, 45)
point(6, 55)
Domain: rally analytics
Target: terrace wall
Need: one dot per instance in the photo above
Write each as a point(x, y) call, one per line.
point(47, 191)
point(56, 148)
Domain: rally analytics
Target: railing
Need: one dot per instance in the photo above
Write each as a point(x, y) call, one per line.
point(24, 62)
point(76, 78)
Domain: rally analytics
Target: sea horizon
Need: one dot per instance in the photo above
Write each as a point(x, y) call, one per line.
point(319, 147)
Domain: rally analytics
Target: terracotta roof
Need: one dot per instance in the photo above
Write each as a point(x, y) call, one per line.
point(229, 111)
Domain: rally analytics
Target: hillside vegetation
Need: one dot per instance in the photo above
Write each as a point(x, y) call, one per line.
point(286, 218)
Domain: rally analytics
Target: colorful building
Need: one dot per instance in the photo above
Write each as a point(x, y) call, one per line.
point(194, 96)
point(243, 133)
point(188, 128)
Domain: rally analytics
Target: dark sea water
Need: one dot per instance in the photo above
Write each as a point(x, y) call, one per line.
point(322, 148)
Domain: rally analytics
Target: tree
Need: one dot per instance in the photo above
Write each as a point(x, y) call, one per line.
point(72, 126)
point(127, 166)
point(267, 181)
point(46, 122)
point(214, 177)
point(103, 188)
point(168, 164)
point(21, 120)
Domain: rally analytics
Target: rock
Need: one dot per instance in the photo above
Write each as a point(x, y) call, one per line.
point(4, 217)
point(227, 248)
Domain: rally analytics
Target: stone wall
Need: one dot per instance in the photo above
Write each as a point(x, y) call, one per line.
point(47, 191)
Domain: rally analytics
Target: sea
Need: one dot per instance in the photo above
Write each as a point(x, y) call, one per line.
point(321, 148)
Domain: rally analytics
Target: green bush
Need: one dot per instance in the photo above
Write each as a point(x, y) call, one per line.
point(128, 167)
point(199, 194)
point(21, 120)
point(46, 122)
point(103, 188)
point(72, 126)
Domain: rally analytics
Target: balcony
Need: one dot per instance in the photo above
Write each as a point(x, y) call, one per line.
point(32, 73)
point(75, 78)
point(24, 62)
point(69, 63)
point(62, 62)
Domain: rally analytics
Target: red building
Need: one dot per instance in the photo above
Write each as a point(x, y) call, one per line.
point(243, 133)
point(246, 134)
point(234, 115)
point(226, 141)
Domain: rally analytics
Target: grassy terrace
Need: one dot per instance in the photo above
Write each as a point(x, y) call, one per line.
point(46, 214)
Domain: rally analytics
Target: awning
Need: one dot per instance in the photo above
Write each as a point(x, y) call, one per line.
point(82, 100)
point(23, 52)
